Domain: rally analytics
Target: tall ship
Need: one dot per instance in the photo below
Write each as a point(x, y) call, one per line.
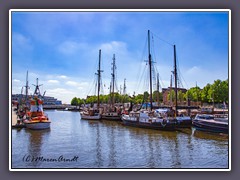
point(182, 121)
point(149, 118)
point(112, 112)
point(92, 113)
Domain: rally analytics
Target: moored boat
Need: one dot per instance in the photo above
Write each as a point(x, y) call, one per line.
point(90, 114)
point(36, 118)
point(111, 112)
point(145, 119)
point(207, 122)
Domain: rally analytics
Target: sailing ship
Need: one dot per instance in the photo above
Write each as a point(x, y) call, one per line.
point(111, 112)
point(149, 119)
point(36, 118)
point(93, 113)
point(182, 121)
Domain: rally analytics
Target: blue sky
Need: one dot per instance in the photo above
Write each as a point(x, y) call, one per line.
point(61, 49)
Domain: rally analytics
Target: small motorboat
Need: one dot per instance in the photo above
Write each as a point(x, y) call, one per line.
point(208, 122)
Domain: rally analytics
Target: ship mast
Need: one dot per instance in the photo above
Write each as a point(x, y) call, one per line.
point(175, 75)
point(158, 85)
point(124, 87)
point(37, 90)
point(150, 68)
point(26, 91)
point(99, 77)
point(113, 78)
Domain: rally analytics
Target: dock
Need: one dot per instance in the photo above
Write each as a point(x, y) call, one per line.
point(14, 120)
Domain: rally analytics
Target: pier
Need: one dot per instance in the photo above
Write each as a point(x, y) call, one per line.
point(15, 123)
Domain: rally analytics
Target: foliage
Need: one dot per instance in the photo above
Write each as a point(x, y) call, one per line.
point(216, 92)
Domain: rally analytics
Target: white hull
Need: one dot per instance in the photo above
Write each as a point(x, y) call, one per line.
point(38, 125)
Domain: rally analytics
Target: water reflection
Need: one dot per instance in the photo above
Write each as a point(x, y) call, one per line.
point(99, 159)
point(112, 148)
point(106, 144)
point(209, 135)
point(35, 145)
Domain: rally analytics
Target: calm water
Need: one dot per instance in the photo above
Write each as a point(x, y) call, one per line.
point(75, 143)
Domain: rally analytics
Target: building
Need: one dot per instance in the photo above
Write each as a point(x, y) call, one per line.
point(166, 91)
point(47, 100)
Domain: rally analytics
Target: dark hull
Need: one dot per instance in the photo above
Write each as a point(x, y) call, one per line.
point(184, 124)
point(211, 127)
point(156, 126)
point(111, 118)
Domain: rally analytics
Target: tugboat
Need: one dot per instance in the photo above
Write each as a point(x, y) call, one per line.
point(36, 118)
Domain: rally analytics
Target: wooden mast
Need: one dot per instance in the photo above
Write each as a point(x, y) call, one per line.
point(158, 85)
point(113, 79)
point(175, 75)
point(150, 68)
point(26, 92)
point(99, 77)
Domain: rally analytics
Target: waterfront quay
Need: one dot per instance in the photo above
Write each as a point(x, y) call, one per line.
point(108, 144)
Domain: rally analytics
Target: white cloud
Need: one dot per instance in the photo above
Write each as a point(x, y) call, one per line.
point(194, 70)
point(113, 46)
point(53, 81)
point(16, 81)
point(70, 47)
point(21, 43)
point(72, 83)
point(62, 77)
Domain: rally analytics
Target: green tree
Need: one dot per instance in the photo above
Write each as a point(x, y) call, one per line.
point(74, 101)
point(205, 93)
point(194, 94)
point(157, 94)
point(171, 94)
point(181, 96)
point(146, 96)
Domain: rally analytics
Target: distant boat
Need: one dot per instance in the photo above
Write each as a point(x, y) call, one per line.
point(149, 118)
point(211, 123)
point(91, 113)
point(36, 118)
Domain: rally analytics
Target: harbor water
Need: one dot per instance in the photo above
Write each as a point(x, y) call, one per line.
point(72, 142)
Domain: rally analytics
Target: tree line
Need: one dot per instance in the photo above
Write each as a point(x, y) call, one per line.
point(216, 92)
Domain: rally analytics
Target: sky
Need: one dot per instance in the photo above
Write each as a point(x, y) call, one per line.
point(61, 49)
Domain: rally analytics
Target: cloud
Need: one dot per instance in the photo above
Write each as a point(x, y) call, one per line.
point(20, 43)
point(194, 70)
point(53, 81)
point(16, 81)
point(113, 46)
point(72, 83)
point(62, 77)
point(70, 47)
point(59, 91)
